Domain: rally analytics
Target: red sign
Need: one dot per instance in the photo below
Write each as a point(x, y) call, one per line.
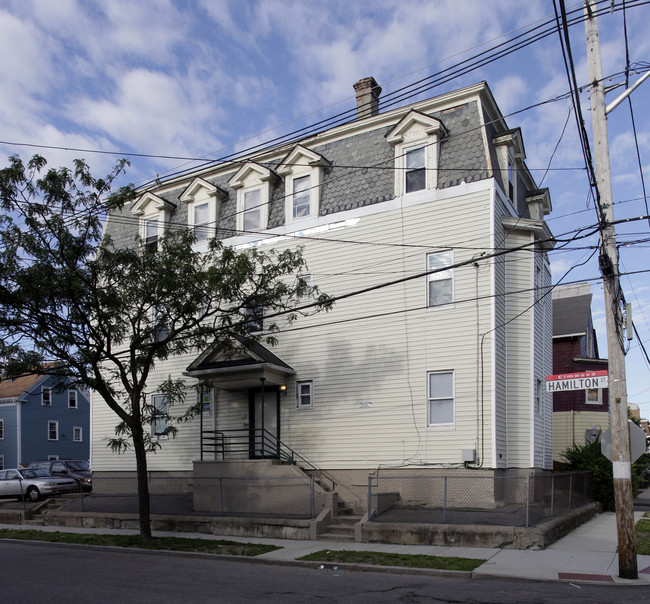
point(583, 380)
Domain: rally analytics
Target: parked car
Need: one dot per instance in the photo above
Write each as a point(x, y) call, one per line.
point(34, 484)
point(71, 468)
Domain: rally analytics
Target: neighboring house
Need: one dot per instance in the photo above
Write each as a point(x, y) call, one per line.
point(579, 416)
point(444, 371)
point(42, 417)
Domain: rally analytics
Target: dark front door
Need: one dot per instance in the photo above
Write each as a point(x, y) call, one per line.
point(264, 411)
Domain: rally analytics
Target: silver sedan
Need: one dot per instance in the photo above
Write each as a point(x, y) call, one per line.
point(33, 484)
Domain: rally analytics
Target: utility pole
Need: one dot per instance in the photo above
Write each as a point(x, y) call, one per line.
point(622, 468)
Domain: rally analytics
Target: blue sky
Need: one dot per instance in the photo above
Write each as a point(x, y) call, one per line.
point(206, 78)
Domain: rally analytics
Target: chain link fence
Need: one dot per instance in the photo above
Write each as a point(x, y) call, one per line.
point(509, 500)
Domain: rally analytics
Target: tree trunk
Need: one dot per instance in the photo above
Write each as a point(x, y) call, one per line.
point(144, 507)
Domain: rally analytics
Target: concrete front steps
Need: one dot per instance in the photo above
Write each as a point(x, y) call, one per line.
point(51, 504)
point(341, 529)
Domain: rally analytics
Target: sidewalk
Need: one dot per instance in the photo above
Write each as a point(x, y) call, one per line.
point(586, 554)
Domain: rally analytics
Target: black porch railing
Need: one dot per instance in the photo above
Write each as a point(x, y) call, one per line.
point(257, 443)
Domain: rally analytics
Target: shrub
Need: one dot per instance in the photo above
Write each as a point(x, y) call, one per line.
point(589, 457)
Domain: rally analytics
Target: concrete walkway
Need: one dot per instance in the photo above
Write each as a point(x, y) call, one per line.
point(586, 554)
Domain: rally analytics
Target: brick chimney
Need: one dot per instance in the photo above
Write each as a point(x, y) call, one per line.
point(368, 92)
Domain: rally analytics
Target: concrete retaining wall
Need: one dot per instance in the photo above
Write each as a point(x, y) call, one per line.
point(538, 537)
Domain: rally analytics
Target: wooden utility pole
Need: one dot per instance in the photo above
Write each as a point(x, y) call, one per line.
point(622, 469)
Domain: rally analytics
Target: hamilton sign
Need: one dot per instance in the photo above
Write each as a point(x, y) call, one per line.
point(584, 380)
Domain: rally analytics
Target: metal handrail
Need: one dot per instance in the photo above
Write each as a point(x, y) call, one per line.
point(256, 441)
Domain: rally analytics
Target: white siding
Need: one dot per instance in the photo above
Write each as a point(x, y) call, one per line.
point(372, 348)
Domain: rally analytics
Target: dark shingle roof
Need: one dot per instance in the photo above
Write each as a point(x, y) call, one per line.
point(571, 315)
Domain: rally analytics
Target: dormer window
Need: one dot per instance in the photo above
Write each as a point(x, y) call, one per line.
point(510, 154)
point(203, 206)
point(303, 171)
point(151, 234)
point(301, 202)
point(153, 212)
point(416, 140)
point(252, 210)
point(415, 169)
point(254, 184)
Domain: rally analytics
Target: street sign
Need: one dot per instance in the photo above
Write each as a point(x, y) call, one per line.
point(637, 442)
point(584, 380)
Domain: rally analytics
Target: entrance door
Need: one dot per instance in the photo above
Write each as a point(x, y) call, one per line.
point(264, 423)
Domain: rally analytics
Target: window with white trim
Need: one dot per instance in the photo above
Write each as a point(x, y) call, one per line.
point(151, 234)
point(304, 394)
point(304, 287)
point(203, 201)
point(46, 397)
point(510, 154)
point(2, 462)
point(254, 317)
point(301, 197)
point(2, 429)
point(254, 185)
point(201, 215)
point(153, 213)
point(77, 434)
point(416, 141)
point(440, 398)
point(415, 172)
point(52, 430)
point(440, 284)
point(302, 170)
point(72, 399)
point(594, 396)
point(160, 417)
point(252, 210)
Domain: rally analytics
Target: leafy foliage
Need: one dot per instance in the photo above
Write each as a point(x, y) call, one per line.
point(589, 457)
point(110, 314)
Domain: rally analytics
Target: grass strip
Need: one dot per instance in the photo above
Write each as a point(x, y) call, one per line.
point(179, 544)
point(386, 559)
point(643, 536)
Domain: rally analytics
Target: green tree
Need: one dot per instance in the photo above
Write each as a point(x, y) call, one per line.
point(110, 314)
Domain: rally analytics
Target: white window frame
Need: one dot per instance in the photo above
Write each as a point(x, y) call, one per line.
point(164, 418)
point(200, 193)
point(2, 462)
point(446, 397)
point(77, 434)
point(408, 170)
point(52, 458)
point(414, 131)
point(47, 403)
point(308, 294)
point(510, 155)
point(73, 391)
point(300, 163)
point(311, 193)
point(251, 177)
point(258, 325)
point(147, 208)
point(256, 209)
point(50, 424)
point(309, 394)
point(151, 232)
point(597, 400)
point(444, 275)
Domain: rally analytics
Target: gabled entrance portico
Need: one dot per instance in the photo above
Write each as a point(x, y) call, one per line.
point(254, 371)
